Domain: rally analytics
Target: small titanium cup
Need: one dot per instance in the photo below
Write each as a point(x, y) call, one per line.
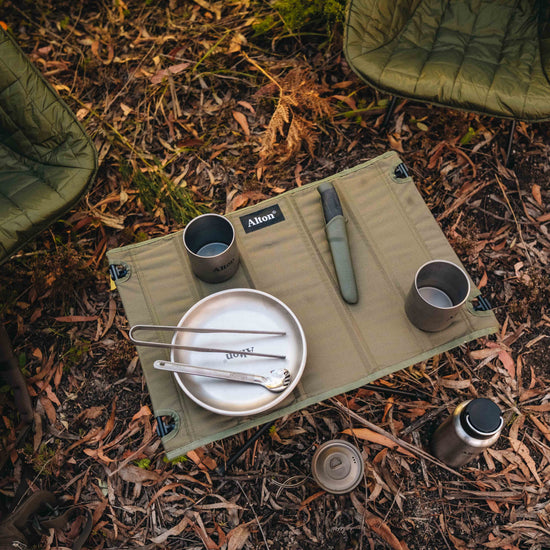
point(337, 466)
point(440, 288)
point(210, 243)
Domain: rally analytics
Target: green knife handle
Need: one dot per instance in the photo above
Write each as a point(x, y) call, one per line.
point(337, 237)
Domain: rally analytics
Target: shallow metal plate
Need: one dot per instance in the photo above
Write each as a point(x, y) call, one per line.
point(248, 309)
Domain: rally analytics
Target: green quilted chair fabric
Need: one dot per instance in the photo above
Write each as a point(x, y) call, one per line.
point(486, 56)
point(47, 160)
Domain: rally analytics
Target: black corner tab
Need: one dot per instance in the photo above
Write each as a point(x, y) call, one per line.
point(482, 304)
point(118, 271)
point(401, 171)
point(164, 427)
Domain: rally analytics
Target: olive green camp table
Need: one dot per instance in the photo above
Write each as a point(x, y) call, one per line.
point(284, 252)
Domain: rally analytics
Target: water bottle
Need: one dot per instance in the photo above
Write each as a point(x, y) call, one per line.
point(474, 425)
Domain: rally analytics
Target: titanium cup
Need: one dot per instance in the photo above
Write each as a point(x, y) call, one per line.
point(210, 243)
point(440, 288)
point(337, 466)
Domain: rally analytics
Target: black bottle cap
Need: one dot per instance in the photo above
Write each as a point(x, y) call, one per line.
point(482, 416)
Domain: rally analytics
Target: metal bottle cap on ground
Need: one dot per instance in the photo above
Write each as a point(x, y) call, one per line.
point(481, 418)
point(337, 466)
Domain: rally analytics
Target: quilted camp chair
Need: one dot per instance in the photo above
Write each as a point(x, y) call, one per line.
point(46, 164)
point(486, 56)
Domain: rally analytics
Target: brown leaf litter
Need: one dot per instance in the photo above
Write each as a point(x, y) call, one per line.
point(192, 108)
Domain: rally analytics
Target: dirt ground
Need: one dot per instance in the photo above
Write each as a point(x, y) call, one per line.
point(201, 106)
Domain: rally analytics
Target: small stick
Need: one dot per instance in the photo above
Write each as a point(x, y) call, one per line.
point(221, 469)
point(408, 446)
point(419, 422)
point(518, 226)
point(395, 391)
point(416, 439)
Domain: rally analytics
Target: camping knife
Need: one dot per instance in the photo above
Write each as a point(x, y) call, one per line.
point(335, 227)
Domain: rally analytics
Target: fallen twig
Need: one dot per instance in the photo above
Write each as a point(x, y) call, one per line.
point(398, 441)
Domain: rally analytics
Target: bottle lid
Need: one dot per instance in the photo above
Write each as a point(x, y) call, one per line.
point(483, 416)
point(337, 466)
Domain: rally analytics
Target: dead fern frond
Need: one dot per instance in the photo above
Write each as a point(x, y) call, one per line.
point(320, 106)
point(280, 117)
point(276, 127)
point(294, 121)
point(300, 131)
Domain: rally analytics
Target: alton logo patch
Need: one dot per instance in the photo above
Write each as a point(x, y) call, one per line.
point(262, 218)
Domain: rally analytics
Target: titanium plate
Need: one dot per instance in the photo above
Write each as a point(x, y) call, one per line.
point(240, 308)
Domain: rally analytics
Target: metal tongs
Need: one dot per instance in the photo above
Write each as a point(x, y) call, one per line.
point(151, 344)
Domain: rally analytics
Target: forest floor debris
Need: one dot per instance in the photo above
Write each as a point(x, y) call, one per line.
point(201, 106)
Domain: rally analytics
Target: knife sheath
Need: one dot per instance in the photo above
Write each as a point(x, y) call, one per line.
point(335, 226)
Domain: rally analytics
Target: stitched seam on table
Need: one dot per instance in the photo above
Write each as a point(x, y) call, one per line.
point(331, 283)
point(181, 253)
point(378, 252)
point(153, 317)
point(359, 342)
point(243, 253)
point(291, 202)
point(388, 183)
point(186, 432)
point(185, 424)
